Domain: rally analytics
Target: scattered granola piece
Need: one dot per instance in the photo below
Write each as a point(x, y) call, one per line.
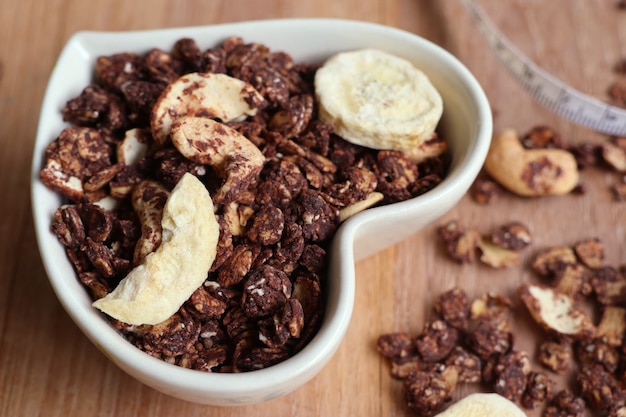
point(453, 306)
point(550, 260)
point(609, 285)
point(591, 352)
point(484, 190)
point(403, 367)
point(512, 372)
point(513, 236)
point(396, 345)
point(555, 355)
point(565, 404)
point(460, 243)
point(437, 340)
point(468, 364)
point(587, 154)
point(599, 388)
point(427, 392)
point(614, 154)
point(572, 280)
point(496, 256)
point(619, 190)
point(538, 390)
point(542, 137)
point(488, 340)
point(612, 326)
point(590, 252)
point(617, 92)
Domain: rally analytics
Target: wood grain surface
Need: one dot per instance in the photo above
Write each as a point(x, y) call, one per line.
point(48, 368)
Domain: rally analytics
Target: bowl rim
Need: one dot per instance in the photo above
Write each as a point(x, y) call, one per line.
point(322, 347)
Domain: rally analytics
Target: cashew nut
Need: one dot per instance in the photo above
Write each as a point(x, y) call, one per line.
point(556, 311)
point(357, 207)
point(217, 96)
point(56, 179)
point(231, 154)
point(148, 199)
point(133, 147)
point(430, 148)
point(155, 289)
point(532, 172)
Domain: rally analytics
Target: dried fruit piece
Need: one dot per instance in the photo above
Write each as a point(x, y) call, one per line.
point(155, 289)
point(217, 96)
point(377, 100)
point(556, 312)
point(483, 405)
point(534, 172)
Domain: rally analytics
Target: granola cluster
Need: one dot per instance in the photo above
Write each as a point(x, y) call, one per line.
point(263, 298)
point(499, 249)
point(575, 285)
point(464, 342)
point(594, 348)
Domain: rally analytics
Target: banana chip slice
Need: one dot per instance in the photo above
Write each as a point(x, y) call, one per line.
point(155, 289)
point(377, 100)
point(483, 405)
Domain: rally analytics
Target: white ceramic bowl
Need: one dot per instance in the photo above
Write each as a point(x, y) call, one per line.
point(466, 124)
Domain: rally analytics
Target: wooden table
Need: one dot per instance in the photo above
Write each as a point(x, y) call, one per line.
point(48, 368)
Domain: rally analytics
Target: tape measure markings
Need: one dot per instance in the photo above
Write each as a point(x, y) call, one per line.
point(547, 90)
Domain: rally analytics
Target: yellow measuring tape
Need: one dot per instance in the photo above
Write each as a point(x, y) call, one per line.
point(557, 96)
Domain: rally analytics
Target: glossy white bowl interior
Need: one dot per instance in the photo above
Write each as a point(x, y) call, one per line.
point(466, 124)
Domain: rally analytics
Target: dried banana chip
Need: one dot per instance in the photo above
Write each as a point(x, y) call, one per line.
point(155, 289)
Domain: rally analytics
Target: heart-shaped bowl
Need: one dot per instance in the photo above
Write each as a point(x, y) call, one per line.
point(466, 124)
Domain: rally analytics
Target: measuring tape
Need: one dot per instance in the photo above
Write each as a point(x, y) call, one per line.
point(560, 98)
